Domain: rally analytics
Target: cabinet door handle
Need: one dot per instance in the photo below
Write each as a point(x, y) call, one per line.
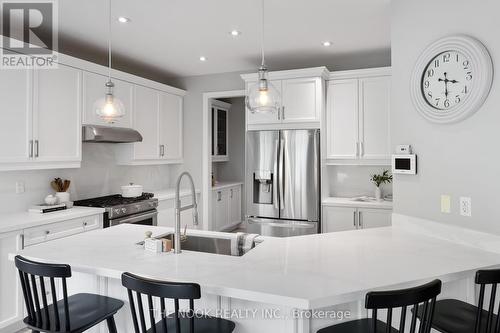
point(283, 112)
point(354, 219)
point(357, 149)
point(162, 150)
point(31, 149)
point(47, 232)
point(360, 220)
point(219, 196)
point(84, 224)
point(37, 146)
point(279, 114)
point(231, 193)
point(361, 149)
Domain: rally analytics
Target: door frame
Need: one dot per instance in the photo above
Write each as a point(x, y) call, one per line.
point(206, 156)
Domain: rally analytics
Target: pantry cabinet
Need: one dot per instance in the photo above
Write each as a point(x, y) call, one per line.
point(357, 117)
point(220, 131)
point(226, 207)
point(342, 218)
point(301, 105)
point(41, 118)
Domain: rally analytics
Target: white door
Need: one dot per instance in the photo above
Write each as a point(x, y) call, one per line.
point(235, 205)
point(94, 89)
point(263, 118)
point(342, 119)
point(171, 122)
point(374, 114)
point(338, 218)
point(301, 100)
point(57, 102)
point(145, 120)
point(16, 115)
point(11, 302)
point(220, 209)
point(374, 218)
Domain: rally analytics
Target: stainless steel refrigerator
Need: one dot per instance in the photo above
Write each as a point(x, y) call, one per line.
point(283, 182)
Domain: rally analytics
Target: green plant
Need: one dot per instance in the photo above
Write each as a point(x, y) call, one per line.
point(383, 178)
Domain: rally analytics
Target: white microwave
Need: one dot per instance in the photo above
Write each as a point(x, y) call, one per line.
point(404, 164)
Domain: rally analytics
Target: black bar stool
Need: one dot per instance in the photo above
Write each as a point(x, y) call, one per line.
point(73, 314)
point(454, 316)
point(423, 297)
point(177, 322)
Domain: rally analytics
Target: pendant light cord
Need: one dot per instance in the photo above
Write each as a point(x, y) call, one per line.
point(262, 35)
point(109, 41)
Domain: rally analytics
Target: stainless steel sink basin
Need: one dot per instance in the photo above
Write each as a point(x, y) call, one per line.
point(205, 244)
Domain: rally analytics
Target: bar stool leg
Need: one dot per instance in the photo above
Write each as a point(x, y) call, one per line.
point(111, 325)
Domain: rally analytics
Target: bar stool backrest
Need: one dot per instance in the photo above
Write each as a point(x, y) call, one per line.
point(35, 295)
point(484, 278)
point(424, 295)
point(162, 290)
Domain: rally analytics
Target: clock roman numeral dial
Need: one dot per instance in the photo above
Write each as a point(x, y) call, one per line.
point(447, 80)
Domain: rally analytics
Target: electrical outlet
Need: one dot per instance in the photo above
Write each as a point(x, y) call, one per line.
point(465, 206)
point(20, 188)
point(445, 204)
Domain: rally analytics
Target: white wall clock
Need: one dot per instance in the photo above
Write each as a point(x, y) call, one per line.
point(451, 79)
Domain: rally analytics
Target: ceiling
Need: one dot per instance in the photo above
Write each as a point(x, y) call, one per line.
point(167, 37)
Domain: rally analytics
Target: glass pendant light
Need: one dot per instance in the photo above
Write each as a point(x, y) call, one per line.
point(109, 108)
point(263, 97)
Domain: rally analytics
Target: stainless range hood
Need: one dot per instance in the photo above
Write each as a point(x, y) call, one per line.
point(107, 134)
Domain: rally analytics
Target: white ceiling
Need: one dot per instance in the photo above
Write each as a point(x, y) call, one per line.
point(169, 36)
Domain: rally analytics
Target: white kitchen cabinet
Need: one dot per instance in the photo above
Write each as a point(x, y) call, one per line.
point(235, 205)
point(301, 98)
point(171, 125)
point(158, 116)
point(357, 117)
point(338, 219)
point(342, 119)
point(374, 218)
point(220, 131)
point(342, 218)
point(11, 301)
point(94, 89)
point(57, 114)
point(146, 121)
point(16, 116)
point(226, 207)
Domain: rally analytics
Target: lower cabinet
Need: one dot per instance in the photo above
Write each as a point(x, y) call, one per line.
point(166, 213)
point(336, 218)
point(226, 208)
point(11, 300)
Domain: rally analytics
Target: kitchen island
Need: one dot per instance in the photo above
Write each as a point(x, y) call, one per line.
point(282, 282)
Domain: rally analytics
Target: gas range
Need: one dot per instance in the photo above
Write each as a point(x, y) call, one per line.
point(139, 210)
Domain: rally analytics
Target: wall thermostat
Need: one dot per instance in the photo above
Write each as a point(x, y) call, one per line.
point(404, 164)
point(403, 149)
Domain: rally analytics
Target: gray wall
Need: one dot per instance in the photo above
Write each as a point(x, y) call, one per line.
point(99, 175)
point(234, 169)
point(458, 159)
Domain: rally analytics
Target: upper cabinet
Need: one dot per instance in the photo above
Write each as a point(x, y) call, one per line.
point(302, 99)
point(220, 131)
point(357, 117)
point(43, 111)
point(93, 90)
point(41, 118)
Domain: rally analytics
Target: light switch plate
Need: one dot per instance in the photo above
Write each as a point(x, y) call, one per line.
point(445, 204)
point(465, 206)
point(20, 188)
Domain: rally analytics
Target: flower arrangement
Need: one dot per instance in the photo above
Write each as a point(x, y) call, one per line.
point(383, 178)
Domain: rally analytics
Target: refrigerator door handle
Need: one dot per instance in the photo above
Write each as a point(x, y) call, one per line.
point(281, 169)
point(282, 223)
point(275, 184)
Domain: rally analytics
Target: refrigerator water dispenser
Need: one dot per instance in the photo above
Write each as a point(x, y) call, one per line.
point(263, 187)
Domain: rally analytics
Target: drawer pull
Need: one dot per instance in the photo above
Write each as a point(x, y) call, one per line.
point(47, 232)
point(84, 224)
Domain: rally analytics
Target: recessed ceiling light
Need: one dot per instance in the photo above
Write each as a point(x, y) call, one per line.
point(235, 33)
point(327, 43)
point(202, 58)
point(123, 19)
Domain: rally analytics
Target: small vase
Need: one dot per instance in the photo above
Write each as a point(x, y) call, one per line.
point(62, 196)
point(378, 193)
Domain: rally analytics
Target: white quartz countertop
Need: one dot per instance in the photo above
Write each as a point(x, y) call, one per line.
point(303, 272)
point(222, 185)
point(352, 202)
point(23, 220)
point(169, 193)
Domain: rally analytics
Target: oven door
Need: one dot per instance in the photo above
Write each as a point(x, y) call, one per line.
point(145, 218)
